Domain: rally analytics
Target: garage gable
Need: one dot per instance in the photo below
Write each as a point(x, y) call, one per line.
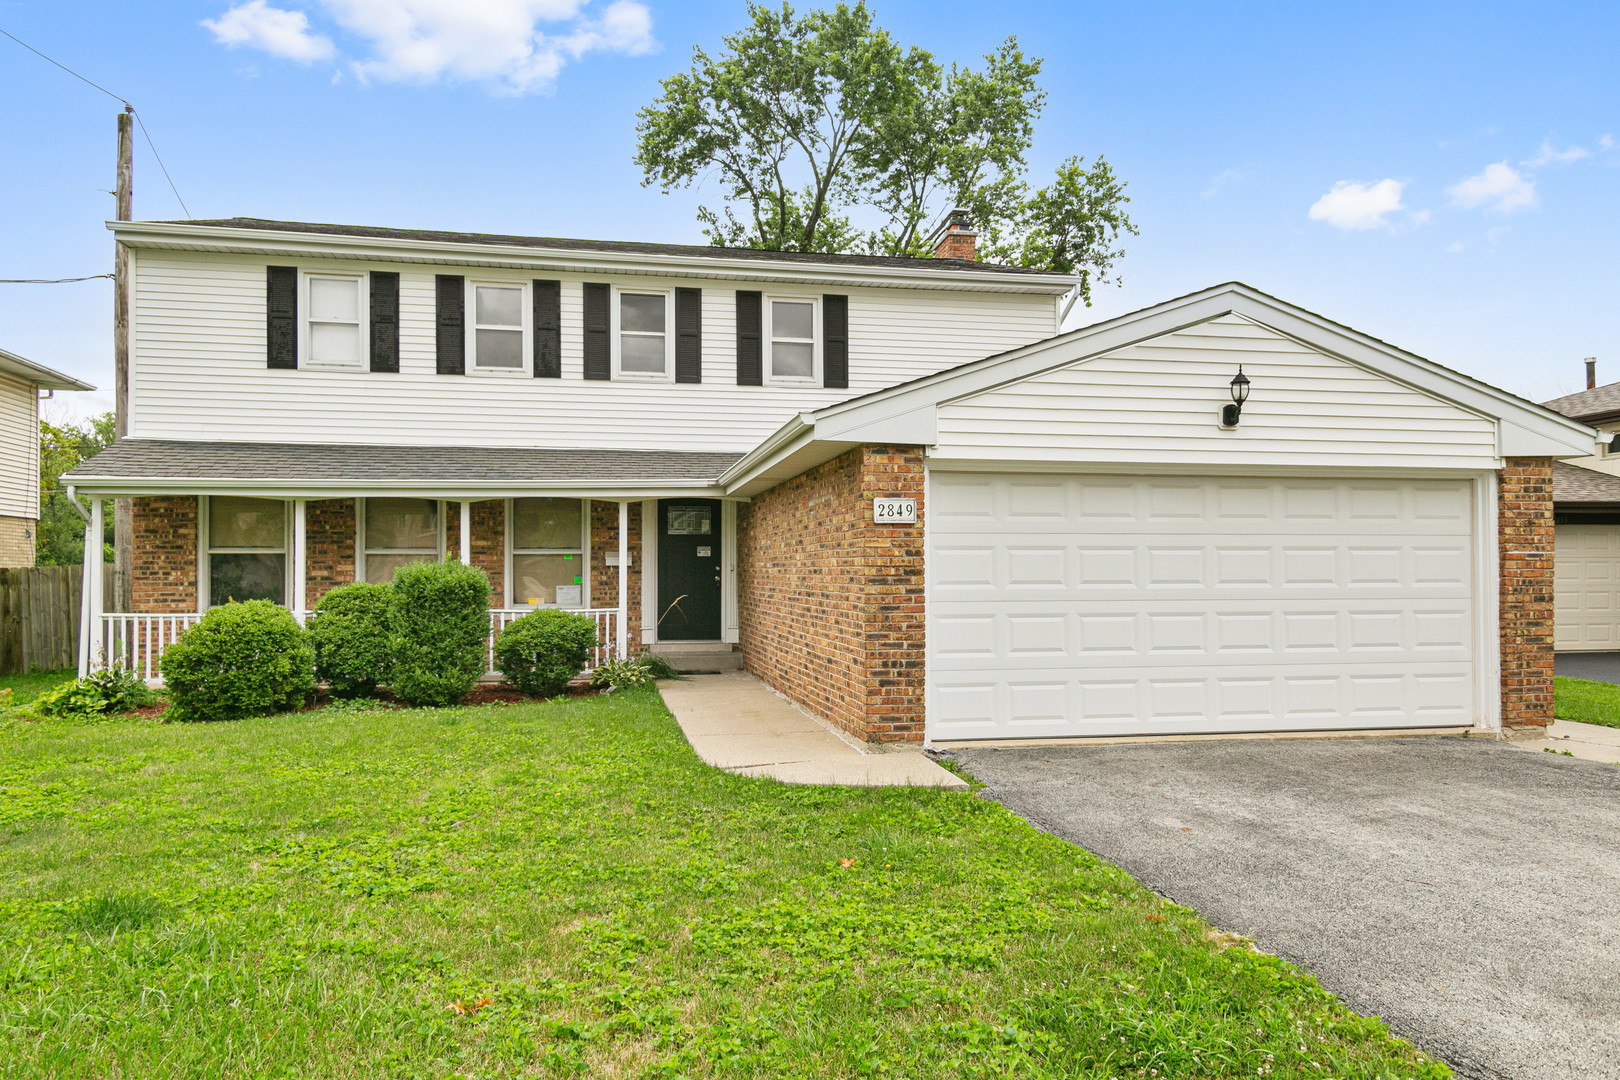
point(1159, 401)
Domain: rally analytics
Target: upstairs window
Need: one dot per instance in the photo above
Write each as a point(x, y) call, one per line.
point(548, 552)
point(247, 549)
point(644, 341)
point(335, 334)
point(394, 532)
point(498, 327)
point(793, 341)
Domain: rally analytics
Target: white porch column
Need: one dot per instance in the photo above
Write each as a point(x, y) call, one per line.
point(300, 596)
point(95, 603)
point(466, 533)
point(622, 620)
point(90, 572)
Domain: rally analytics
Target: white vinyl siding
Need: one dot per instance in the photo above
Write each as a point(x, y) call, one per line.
point(19, 448)
point(1065, 605)
point(200, 366)
point(1159, 402)
point(1586, 588)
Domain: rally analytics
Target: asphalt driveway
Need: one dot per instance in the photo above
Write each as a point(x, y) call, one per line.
point(1465, 891)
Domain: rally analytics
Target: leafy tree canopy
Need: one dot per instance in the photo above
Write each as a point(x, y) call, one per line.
point(811, 122)
point(60, 539)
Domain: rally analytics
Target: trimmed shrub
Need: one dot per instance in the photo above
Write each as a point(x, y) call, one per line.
point(439, 623)
point(241, 659)
point(350, 635)
point(539, 653)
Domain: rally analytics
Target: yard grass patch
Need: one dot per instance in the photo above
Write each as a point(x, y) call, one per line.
point(25, 688)
point(1587, 700)
point(563, 889)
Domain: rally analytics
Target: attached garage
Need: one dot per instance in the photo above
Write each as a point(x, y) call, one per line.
point(1109, 605)
point(1089, 544)
point(1586, 577)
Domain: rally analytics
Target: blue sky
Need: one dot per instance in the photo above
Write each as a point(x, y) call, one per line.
point(1442, 176)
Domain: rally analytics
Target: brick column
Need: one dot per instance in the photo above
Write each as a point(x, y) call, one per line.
point(1525, 543)
point(164, 575)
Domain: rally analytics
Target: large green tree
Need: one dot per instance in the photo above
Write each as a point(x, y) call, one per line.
point(60, 537)
point(827, 135)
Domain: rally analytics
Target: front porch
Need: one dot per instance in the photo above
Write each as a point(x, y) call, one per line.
point(571, 543)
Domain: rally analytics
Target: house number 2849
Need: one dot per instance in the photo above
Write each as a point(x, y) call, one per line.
point(894, 511)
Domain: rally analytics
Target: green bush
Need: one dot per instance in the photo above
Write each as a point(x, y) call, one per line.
point(350, 635)
point(241, 659)
point(112, 690)
point(439, 624)
point(622, 674)
point(539, 653)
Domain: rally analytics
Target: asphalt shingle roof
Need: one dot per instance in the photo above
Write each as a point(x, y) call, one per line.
point(1588, 404)
point(160, 459)
point(1575, 486)
point(624, 246)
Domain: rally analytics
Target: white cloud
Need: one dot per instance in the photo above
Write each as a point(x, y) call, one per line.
point(505, 43)
point(1605, 142)
point(1499, 188)
point(280, 33)
point(1548, 156)
point(1353, 205)
point(1221, 180)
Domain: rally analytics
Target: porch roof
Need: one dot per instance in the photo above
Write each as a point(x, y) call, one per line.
point(333, 470)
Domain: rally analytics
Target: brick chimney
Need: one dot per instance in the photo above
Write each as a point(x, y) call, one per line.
point(954, 238)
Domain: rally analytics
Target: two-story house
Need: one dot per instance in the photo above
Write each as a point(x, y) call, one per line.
point(891, 488)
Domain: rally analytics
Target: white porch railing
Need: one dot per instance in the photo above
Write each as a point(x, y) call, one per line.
point(137, 641)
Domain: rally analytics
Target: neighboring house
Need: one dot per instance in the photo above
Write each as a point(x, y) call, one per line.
point(1586, 498)
point(888, 487)
point(20, 383)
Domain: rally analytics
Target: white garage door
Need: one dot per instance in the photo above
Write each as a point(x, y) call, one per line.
point(1586, 581)
point(1066, 605)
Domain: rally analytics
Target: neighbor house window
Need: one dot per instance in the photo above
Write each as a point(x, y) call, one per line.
point(247, 549)
point(644, 340)
point(548, 552)
point(793, 340)
point(399, 531)
point(333, 303)
point(498, 327)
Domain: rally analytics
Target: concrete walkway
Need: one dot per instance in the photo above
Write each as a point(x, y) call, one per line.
point(737, 723)
point(1592, 742)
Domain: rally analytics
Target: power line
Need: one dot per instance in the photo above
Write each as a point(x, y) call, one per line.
point(115, 97)
point(58, 187)
point(49, 281)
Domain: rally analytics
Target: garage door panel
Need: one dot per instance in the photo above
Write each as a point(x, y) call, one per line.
point(1586, 588)
point(1157, 606)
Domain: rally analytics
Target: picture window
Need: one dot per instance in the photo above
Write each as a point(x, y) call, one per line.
point(548, 552)
point(399, 531)
point(247, 549)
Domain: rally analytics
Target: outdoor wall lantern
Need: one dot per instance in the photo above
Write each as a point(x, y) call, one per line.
point(1240, 394)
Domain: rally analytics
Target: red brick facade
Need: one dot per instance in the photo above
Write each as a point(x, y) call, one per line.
point(830, 604)
point(328, 546)
point(605, 578)
point(164, 576)
point(1525, 543)
point(488, 542)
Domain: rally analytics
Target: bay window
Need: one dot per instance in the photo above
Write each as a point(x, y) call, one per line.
point(793, 340)
point(394, 532)
point(247, 549)
point(548, 552)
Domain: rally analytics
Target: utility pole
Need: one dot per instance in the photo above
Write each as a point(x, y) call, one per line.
point(123, 510)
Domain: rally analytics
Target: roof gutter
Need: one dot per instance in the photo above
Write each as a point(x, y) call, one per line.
point(324, 245)
point(121, 486)
point(785, 439)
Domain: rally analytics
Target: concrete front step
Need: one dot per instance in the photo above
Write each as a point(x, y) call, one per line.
point(698, 657)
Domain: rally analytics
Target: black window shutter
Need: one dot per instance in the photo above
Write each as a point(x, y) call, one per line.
point(548, 329)
point(384, 320)
point(750, 356)
point(835, 349)
point(598, 351)
point(451, 323)
point(281, 317)
point(689, 335)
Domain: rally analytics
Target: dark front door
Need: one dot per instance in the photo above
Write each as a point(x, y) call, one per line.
point(689, 570)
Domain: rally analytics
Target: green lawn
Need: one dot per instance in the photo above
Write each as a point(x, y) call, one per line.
point(25, 688)
point(1587, 700)
point(562, 889)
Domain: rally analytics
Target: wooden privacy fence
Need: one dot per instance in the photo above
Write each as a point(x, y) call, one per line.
point(39, 617)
